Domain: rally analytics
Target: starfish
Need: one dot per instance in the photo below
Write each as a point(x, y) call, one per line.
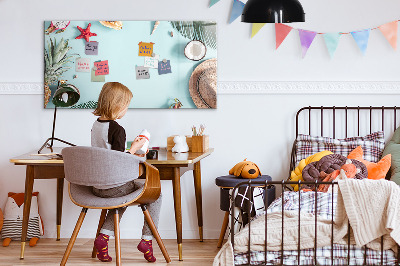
point(85, 33)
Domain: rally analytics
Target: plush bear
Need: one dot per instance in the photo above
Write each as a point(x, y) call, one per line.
point(13, 215)
point(245, 169)
point(180, 144)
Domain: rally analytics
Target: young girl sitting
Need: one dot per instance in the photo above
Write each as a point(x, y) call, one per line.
point(113, 103)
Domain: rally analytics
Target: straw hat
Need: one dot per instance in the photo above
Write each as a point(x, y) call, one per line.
point(203, 84)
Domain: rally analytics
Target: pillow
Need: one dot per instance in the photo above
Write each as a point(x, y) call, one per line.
point(375, 170)
point(372, 144)
point(393, 148)
point(296, 174)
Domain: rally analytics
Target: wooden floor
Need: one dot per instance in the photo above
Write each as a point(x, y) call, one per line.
point(50, 252)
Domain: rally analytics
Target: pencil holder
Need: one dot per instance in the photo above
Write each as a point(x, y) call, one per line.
point(200, 143)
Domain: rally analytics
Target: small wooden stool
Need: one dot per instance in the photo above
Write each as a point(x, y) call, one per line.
point(226, 183)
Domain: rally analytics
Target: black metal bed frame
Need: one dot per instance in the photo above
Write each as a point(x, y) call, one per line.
point(283, 184)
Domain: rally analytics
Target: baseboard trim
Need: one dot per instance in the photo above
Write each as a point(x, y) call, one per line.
point(260, 87)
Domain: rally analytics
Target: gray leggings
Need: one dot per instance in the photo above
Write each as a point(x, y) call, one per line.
point(154, 208)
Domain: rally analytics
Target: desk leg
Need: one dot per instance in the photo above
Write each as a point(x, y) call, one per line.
point(27, 206)
point(60, 190)
point(176, 183)
point(199, 204)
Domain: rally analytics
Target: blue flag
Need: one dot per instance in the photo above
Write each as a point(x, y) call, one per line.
point(237, 9)
point(361, 37)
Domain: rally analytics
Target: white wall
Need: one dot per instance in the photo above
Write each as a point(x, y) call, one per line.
point(259, 127)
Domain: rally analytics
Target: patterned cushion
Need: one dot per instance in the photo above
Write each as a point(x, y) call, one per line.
point(372, 144)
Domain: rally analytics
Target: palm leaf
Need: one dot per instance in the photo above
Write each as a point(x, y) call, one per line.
point(205, 31)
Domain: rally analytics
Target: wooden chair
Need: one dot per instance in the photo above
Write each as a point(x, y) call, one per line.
point(85, 167)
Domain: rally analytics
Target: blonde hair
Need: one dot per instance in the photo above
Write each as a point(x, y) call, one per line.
point(113, 98)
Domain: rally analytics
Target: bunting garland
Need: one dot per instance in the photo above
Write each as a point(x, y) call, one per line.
point(361, 37)
point(281, 31)
point(213, 2)
point(389, 30)
point(256, 27)
point(237, 8)
point(332, 41)
point(306, 39)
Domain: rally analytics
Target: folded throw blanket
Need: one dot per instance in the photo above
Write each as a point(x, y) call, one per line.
point(373, 209)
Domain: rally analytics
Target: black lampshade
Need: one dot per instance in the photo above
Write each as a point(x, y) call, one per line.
point(273, 11)
point(66, 95)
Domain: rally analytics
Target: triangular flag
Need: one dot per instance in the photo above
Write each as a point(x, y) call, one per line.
point(255, 28)
point(306, 39)
point(389, 30)
point(332, 41)
point(237, 9)
point(361, 37)
point(281, 31)
point(213, 2)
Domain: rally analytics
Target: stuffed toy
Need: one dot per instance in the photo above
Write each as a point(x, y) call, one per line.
point(348, 170)
point(296, 174)
point(245, 169)
point(13, 215)
point(180, 144)
point(375, 170)
point(328, 164)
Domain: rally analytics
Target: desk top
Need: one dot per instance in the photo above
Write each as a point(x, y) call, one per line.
point(164, 157)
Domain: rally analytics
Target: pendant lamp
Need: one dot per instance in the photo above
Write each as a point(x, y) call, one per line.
point(66, 95)
point(272, 11)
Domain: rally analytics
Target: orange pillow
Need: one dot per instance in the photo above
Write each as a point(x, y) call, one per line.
point(375, 170)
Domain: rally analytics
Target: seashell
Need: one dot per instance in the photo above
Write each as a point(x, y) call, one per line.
point(155, 26)
point(116, 25)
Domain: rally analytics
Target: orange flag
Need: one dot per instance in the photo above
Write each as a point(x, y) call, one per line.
point(389, 30)
point(281, 31)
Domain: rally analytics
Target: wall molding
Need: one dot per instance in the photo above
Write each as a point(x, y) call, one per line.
point(309, 87)
point(260, 87)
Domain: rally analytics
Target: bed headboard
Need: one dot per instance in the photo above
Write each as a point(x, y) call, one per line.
point(344, 121)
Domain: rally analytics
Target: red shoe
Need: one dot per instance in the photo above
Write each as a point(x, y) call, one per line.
point(101, 245)
point(146, 247)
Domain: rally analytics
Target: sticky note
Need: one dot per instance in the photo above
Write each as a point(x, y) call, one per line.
point(151, 62)
point(142, 72)
point(164, 67)
point(82, 65)
point(92, 48)
point(145, 48)
point(95, 78)
point(101, 67)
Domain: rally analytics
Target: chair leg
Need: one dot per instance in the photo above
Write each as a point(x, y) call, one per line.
point(73, 237)
point(223, 229)
point(154, 230)
point(117, 239)
point(101, 222)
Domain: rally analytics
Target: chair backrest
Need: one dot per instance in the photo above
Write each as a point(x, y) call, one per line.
point(92, 166)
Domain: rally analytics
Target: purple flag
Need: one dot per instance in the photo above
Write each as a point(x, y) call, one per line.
point(237, 9)
point(306, 39)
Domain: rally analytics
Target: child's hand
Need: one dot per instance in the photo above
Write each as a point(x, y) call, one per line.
point(137, 144)
point(142, 155)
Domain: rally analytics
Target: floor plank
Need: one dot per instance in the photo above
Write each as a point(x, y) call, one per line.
point(49, 252)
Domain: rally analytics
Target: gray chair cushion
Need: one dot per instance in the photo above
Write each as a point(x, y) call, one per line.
point(84, 196)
